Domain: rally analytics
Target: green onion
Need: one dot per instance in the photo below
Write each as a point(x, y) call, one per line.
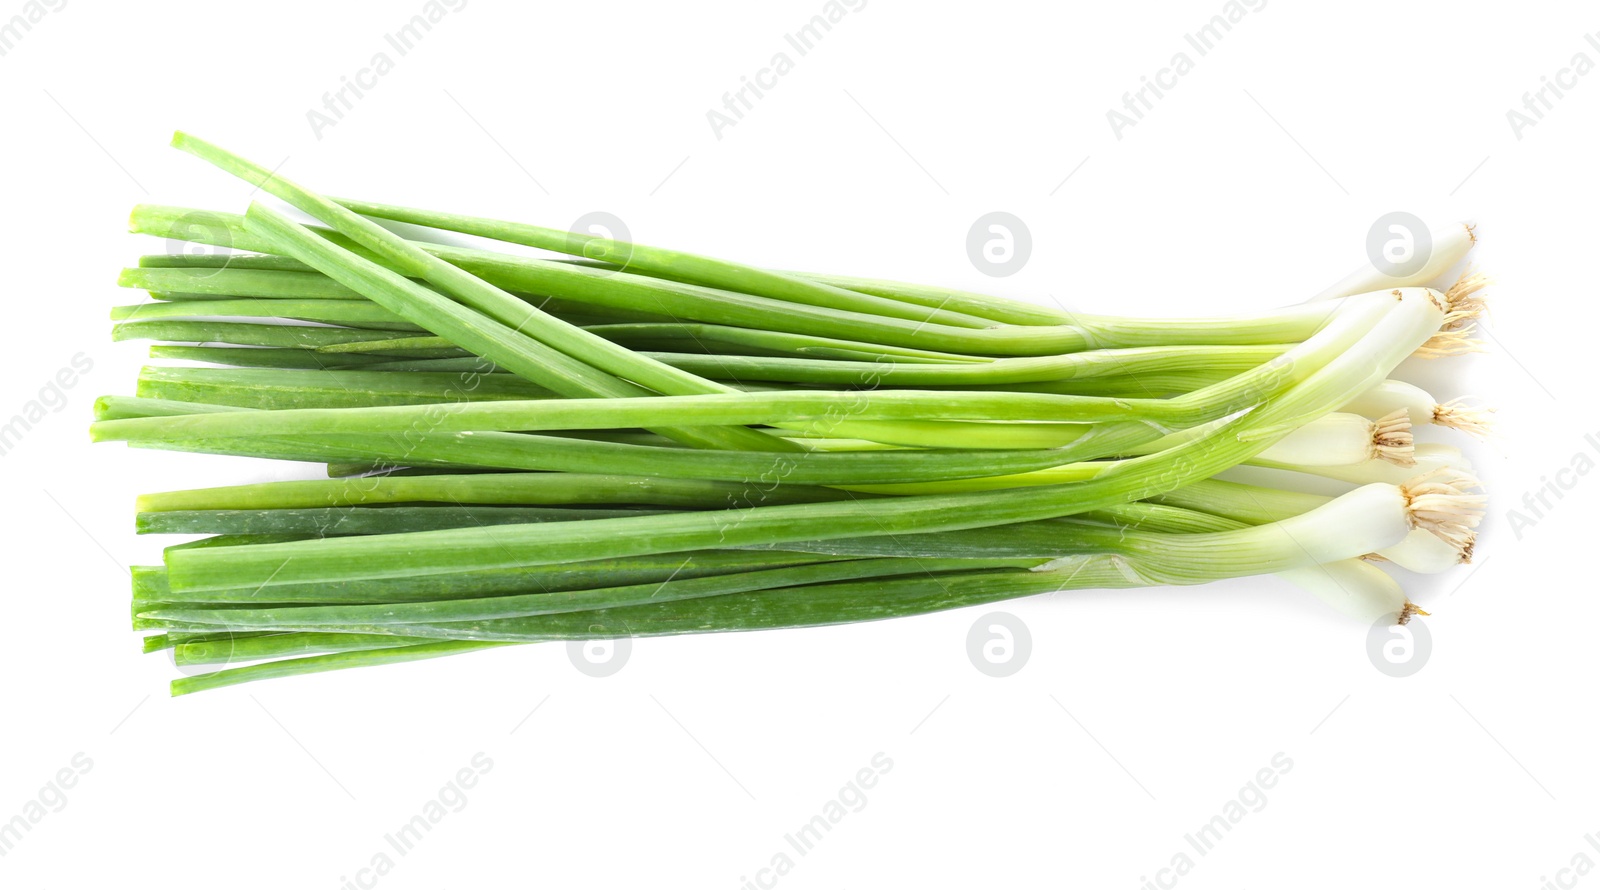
point(626, 440)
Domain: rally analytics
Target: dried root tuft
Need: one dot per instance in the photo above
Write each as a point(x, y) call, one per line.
point(1410, 609)
point(1448, 343)
point(1440, 501)
point(1462, 303)
point(1475, 422)
point(1392, 440)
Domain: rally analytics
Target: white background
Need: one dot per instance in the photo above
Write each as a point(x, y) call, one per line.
point(1138, 715)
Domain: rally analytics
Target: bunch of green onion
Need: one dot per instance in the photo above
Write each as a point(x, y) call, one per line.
point(609, 439)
